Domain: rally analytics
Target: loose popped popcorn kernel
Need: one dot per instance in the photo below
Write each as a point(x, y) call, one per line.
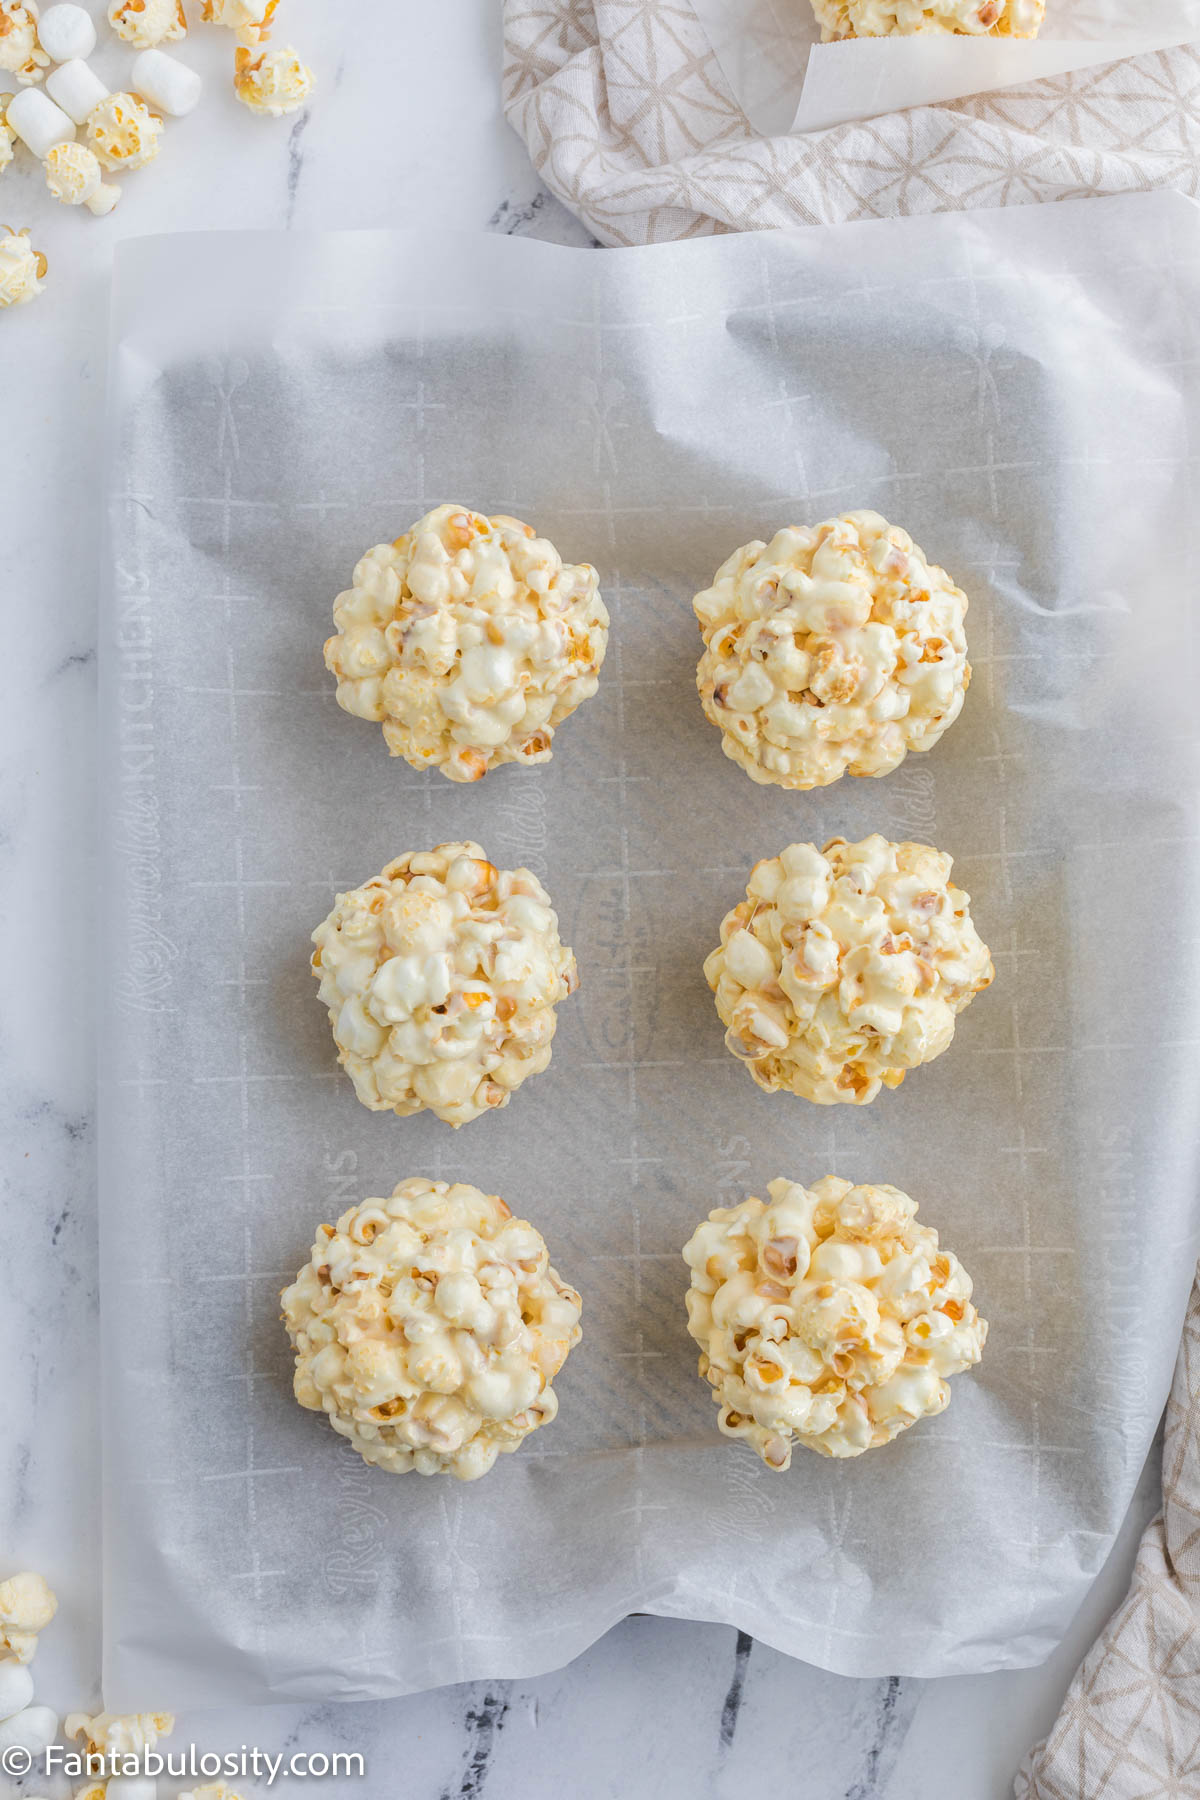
point(147, 23)
point(21, 268)
point(73, 176)
point(469, 639)
point(7, 140)
point(119, 1734)
point(251, 19)
point(441, 977)
point(20, 53)
point(844, 968)
point(827, 1317)
point(216, 1790)
point(123, 132)
point(832, 648)
point(272, 83)
point(889, 18)
point(429, 1327)
point(27, 1601)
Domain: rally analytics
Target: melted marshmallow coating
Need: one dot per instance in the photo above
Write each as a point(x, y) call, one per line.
point(441, 977)
point(148, 23)
point(890, 18)
point(469, 640)
point(833, 648)
point(429, 1326)
point(844, 968)
point(827, 1317)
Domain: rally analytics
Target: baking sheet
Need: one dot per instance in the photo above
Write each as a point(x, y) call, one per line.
point(786, 80)
point(1018, 389)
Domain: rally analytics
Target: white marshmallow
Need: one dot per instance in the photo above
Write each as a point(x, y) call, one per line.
point(77, 88)
point(131, 1787)
point(33, 1729)
point(166, 83)
point(16, 1689)
point(38, 122)
point(66, 32)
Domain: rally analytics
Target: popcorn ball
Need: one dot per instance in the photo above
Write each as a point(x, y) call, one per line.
point(832, 648)
point(889, 18)
point(123, 132)
point(27, 1605)
point(827, 1317)
point(844, 968)
point(148, 23)
point(429, 1327)
point(441, 977)
point(251, 19)
point(470, 640)
point(21, 268)
point(73, 176)
point(272, 83)
point(119, 1734)
point(20, 53)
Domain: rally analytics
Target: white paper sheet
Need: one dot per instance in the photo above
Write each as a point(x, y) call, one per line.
point(1020, 390)
point(786, 80)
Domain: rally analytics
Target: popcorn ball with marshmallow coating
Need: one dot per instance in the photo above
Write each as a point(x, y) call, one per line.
point(441, 977)
point(834, 647)
point(21, 268)
point(147, 23)
point(27, 1605)
point(429, 1327)
point(73, 176)
point(123, 132)
point(844, 968)
point(251, 19)
point(827, 1317)
point(840, 19)
point(470, 640)
point(273, 82)
point(20, 53)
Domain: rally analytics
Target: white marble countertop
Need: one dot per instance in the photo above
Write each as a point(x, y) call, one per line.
point(405, 129)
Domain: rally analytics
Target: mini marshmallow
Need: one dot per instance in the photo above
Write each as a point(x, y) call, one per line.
point(38, 122)
point(73, 176)
point(166, 83)
point(66, 32)
point(34, 1729)
point(16, 1689)
point(131, 1787)
point(78, 90)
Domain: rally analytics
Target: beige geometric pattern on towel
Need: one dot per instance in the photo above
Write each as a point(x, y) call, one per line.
point(629, 121)
point(1130, 1725)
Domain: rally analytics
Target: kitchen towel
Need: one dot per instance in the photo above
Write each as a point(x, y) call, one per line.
point(630, 121)
point(1130, 1726)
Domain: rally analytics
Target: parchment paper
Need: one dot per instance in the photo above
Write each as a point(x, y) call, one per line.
point(785, 79)
point(1019, 389)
